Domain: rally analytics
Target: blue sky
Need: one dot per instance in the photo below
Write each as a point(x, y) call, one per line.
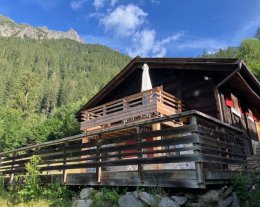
point(172, 28)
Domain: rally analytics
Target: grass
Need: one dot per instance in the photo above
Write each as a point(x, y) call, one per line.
point(39, 203)
point(28, 191)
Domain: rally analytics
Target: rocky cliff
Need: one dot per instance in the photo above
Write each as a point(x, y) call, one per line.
point(9, 28)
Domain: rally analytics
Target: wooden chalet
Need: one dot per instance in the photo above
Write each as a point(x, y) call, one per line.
point(193, 128)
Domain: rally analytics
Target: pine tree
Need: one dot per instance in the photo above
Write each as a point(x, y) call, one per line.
point(257, 34)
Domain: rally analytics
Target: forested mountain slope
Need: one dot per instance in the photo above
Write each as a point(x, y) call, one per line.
point(249, 51)
point(43, 82)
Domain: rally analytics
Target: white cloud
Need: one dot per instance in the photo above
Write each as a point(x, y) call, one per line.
point(247, 29)
point(129, 23)
point(99, 3)
point(200, 43)
point(124, 20)
point(155, 1)
point(145, 44)
point(113, 2)
point(77, 4)
point(97, 15)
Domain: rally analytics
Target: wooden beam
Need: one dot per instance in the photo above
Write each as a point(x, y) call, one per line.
point(64, 173)
point(139, 154)
point(198, 164)
point(12, 168)
point(157, 127)
point(98, 168)
point(85, 141)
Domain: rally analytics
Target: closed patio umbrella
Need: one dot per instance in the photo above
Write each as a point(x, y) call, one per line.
point(146, 80)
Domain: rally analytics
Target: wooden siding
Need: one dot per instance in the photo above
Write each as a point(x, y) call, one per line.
point(240, 121)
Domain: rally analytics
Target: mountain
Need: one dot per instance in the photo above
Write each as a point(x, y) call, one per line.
point(9, 28)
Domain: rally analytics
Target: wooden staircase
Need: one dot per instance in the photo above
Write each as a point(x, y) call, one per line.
point(253, 162)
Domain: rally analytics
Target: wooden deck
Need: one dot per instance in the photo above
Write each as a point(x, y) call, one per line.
point(137, 107)
point(211, 149)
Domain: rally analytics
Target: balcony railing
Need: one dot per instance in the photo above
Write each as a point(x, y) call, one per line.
point(205, 151)
point(138, 107)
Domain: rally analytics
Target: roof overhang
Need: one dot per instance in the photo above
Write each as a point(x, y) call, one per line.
point(245, 90)
point(203, 64)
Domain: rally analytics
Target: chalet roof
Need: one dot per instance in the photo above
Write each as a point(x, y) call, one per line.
point(206, 64)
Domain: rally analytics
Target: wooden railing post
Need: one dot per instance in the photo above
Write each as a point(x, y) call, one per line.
point(157, 127)
point(198, 165)
point(98, 168)
point(12, 168)
point(217, 128)
point(64, 173)
point(104, 110)
point(139, 154)
point(125, 104)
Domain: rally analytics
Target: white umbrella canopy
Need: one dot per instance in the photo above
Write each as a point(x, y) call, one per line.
point(146, 80)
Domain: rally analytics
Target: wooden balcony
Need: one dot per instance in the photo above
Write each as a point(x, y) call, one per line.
point(138, 107)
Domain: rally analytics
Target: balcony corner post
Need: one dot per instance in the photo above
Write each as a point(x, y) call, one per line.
point(198, 164)
point(98, 167)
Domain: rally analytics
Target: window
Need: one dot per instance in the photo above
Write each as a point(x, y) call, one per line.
point(236, 108)
point(233, 102)
point(250, 115)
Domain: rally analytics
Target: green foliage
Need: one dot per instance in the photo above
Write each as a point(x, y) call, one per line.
point(31, 188)
point(28, 188)
point(44, 82)
point(257, 34)
point(248, 195)
point(2, 189)
point(240, 182)
point(58, 195)
point(12, 133)
point(156, 191)
point(249, 51)
point(254, 197)
point(107, 197)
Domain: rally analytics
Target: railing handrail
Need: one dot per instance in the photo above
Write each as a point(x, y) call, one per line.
point(127, 126)
point(130, 98)
point(120, 100)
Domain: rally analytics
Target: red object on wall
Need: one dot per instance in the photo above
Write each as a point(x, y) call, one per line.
point(135, 151)
point(228, 100)
point(131, 150)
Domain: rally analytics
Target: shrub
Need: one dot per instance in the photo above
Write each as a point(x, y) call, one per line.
point(31, 188)
point(58, 195)
point(107, 197)
point(240, 182)
point(247, 188)
point(28, 189)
